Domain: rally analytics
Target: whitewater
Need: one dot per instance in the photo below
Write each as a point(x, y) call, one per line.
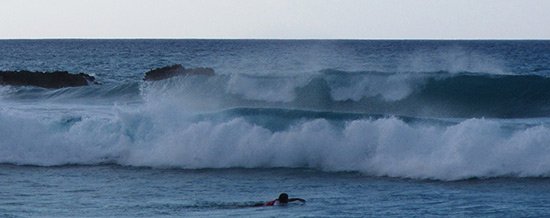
point(376, 122)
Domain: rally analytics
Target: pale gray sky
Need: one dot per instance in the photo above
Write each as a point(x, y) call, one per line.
point(280, 19)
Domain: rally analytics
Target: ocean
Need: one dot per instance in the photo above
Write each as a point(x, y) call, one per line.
point(357, 128)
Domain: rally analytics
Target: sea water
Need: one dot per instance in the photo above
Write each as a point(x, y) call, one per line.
point(357, 128)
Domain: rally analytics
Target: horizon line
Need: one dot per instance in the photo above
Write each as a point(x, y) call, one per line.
point(281, 39)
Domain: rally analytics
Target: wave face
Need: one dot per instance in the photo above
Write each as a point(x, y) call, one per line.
point(252, 138)
point(414, 109)
point(434, 94)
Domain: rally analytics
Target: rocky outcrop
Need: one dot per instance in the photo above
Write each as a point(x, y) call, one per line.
point(176, 70)
point(57, 79)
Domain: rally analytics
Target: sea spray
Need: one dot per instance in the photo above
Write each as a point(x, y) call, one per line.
point(444, 110)
point(375, 146)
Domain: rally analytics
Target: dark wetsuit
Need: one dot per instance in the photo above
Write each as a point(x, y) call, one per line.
point(276, 202)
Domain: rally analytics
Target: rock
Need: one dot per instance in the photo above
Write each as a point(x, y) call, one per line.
point(56, 79)
point(176, 70)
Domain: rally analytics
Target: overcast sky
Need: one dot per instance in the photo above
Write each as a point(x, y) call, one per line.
point(276, 19)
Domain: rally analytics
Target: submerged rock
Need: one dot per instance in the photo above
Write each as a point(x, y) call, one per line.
point(176, 70)
point(56, 79)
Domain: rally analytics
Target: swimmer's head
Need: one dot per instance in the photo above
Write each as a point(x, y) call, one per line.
point(283, 198)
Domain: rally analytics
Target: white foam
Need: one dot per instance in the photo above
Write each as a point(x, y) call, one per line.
point(5, 91)
point(226, 91)
point(390, 87)
point(452, 60)
point(270, 89)
point(382, 147)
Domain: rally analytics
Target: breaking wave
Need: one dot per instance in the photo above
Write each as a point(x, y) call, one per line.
point(414, 125)
point(440, 94)
point(255, 138)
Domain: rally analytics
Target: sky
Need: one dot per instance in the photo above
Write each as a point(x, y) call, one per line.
point(276, 19)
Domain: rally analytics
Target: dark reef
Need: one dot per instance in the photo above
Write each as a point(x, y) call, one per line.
point(176, 70)
point(56, 79)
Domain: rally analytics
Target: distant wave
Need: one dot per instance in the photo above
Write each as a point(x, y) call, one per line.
point(106, 92)
point(439, 94)
point(430, 94)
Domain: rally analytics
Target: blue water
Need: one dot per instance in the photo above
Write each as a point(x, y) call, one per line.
point(357, 128)
point(86, 191)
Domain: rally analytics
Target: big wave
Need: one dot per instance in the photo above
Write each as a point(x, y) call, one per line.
point(430, 94)
point(166, 136)
point(317, 121)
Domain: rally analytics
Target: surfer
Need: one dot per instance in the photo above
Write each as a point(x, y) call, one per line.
point(282, 200)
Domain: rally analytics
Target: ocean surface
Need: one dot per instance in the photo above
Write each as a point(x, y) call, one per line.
point(368, 128)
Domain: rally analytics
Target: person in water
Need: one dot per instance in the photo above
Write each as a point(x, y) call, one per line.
point(282, 200)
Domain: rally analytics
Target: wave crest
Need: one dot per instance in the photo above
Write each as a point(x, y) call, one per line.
point(439, 94)
point(383, 146)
